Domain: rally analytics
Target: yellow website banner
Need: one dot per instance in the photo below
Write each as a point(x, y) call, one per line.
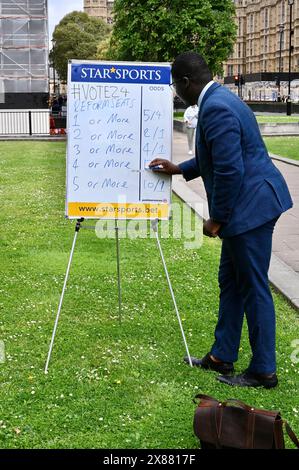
point(93, 210)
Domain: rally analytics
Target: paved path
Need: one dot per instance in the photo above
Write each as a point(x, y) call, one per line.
point(285, 259)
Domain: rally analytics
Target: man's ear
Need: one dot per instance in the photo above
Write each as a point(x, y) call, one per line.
point(186, 81)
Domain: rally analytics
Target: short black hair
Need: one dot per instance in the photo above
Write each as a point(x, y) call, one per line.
point(193, 65)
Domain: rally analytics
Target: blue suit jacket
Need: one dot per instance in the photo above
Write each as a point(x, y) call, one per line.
point(243, 186)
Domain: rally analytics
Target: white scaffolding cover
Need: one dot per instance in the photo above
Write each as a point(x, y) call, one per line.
point(23, 46)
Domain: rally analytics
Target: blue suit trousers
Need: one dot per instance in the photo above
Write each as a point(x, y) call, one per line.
point(244, 288)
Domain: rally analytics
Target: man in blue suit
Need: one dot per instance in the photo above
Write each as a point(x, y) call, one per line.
point(246, 195)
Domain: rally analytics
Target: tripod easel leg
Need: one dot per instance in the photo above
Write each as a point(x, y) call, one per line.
point(78, 224)
point(118, 269)
point(155, 229)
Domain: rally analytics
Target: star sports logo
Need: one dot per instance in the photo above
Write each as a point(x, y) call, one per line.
point(120, 73)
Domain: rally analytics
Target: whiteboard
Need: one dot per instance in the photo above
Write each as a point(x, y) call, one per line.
point(119, 117)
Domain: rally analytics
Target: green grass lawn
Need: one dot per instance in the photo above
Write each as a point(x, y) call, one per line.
point(260, 118)
point(276, 118)
point(110, 385)
point(287, 147)
point(178, 115)
point(284, 146)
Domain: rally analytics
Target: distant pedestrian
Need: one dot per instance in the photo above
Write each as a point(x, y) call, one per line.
point(55, 107)
point(60, 101)
point(190, 119)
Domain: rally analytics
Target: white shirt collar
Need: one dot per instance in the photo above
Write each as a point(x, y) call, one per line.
point(203, 92)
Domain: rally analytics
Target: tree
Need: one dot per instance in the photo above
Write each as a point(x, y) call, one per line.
point(158, 30)
point(77, 36)
point(103, 50)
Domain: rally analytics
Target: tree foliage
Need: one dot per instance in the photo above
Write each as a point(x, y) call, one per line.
point(158, 30)
point(77, 36)
point(104, 50)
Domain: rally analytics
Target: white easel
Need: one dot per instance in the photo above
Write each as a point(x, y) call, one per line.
point(154, 224)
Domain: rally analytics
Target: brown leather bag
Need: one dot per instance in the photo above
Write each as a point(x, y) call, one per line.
point(232, 424)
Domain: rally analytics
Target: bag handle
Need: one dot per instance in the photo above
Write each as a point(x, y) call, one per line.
point(291, 434)
point(204, 397)
point(234, 402)
point(228, 402)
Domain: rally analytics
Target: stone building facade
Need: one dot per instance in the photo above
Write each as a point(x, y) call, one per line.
point(100, 9)
point(261, 52)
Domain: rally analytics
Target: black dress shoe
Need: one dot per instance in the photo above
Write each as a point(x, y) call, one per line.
point(207, 363)
point(249, 379)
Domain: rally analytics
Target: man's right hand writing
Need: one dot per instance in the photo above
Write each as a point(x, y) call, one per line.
point(166, 166)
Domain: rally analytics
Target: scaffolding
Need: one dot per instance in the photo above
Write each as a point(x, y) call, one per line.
point(23, 46)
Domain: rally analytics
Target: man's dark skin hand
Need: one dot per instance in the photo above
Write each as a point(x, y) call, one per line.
point(210, 227)
point(168, 168)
